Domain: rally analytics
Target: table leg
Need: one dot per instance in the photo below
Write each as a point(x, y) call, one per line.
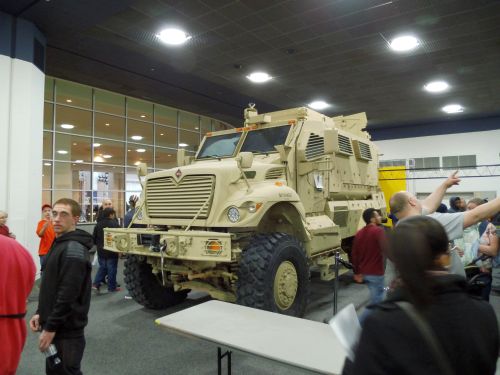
point(219, 360)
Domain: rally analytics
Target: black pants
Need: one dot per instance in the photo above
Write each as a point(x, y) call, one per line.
point(70, 351)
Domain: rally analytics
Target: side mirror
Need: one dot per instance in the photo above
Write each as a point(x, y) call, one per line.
point(245, 159)
point(182, 159)
point(142, 169)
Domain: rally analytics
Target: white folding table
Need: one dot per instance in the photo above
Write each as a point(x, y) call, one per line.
point(293, 341)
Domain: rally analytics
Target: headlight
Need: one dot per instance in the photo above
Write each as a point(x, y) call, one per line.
point(253, 207)
point(233, 214)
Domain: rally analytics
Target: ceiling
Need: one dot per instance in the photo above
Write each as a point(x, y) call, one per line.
point(334, 50)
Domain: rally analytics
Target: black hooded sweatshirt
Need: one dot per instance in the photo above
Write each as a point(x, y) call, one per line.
point(98, 236)
point(65, 290)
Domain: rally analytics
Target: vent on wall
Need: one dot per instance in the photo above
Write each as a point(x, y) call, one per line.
point(362, 150)
point(315, 146)
point(274, 173)
point(345, 146)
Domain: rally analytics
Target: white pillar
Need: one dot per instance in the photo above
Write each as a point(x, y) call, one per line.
point(22, 55)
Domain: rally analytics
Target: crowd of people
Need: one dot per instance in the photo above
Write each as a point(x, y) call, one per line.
point(435, 318)
point(429, 280)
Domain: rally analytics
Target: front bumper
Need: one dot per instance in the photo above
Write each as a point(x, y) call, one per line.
point(173, 244)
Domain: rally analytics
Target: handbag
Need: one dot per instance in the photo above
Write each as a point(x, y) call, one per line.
point(429, 336)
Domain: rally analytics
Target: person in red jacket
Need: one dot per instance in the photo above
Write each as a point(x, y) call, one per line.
point(45, 231)
point(17, 276)
point(368, 258)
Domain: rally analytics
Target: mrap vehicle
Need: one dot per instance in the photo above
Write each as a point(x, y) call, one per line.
point(247, 218)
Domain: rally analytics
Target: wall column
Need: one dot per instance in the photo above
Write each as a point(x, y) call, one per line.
point(22, 81)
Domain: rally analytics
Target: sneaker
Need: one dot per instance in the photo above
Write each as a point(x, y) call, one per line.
point(115, 290)
point(96, 287)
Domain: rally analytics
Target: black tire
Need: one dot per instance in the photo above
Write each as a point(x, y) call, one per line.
point(145, 287)
point(260, 262)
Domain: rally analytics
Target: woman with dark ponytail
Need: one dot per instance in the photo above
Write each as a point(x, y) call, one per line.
point(463, 328)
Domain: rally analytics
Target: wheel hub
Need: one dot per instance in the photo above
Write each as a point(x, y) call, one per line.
point(285, 285)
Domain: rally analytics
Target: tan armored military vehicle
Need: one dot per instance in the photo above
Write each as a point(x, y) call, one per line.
point(252, 212)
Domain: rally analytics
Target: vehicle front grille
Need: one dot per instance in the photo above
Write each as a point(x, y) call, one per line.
point(167, 198)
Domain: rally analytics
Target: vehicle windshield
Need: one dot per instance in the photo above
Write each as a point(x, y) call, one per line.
point(219, 146)
point(264, 140)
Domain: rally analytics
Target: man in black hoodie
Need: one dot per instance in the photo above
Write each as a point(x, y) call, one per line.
point(65, 290)
point(108, 260)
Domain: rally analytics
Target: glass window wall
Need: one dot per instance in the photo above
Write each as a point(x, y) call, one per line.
point(93, 139)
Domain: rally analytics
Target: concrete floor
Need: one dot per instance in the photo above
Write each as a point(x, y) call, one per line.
point(123, 339)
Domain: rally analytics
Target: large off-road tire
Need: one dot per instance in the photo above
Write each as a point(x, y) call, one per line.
point(145, 287)
point(274, 275)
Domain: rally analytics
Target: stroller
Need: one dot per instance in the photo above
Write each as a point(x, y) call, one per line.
point(478, 283)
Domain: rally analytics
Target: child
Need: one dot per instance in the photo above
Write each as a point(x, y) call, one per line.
point(45, 231)
point(4, 229)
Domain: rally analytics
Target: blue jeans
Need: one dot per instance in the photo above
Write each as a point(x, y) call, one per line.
point(107, 266)
point(376, 287)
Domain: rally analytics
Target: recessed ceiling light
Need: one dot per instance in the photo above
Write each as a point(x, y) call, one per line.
point(173, 36)
point(436, 86)
point(169, 155)
point(96, 145)
point(453, 108)
point(128, 150)
point(143, 116)
point(196, 128)
point(62, 152)
point(404, 43)
point(79, 161)
point(183, 145)
point(69, 101)
point(141, 150)
point(136, 137)
point(107, 124)
point(107, 156)
point(74, 143)
point(137, 163)
point(318, 104)
point(162, 134)
point(67, 126)
point(259, 77)
point(47, 164)
point(99, 159)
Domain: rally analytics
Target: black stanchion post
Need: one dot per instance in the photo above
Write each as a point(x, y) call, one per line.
point(219, 361)
point(336, 282)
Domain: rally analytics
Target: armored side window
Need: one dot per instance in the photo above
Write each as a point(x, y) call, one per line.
point(362, 150)
point(315, 146)
point(345, 146)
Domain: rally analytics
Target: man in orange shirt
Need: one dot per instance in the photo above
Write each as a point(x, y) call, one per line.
point(45, 231)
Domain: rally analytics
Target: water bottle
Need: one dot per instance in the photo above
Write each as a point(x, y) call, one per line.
point(51, 355)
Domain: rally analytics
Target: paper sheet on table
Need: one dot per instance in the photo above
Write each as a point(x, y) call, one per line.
point(347, 328)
